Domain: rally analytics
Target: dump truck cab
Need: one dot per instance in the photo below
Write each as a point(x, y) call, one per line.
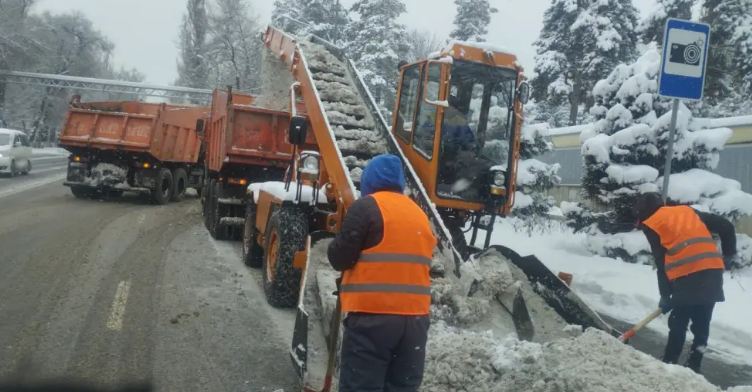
point(457, 118)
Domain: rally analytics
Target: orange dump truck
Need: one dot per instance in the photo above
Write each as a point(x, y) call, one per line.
point(134, 146)
point(245, 144)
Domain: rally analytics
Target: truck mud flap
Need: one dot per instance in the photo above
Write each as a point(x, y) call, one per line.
point(299, 348)
point(556, 293)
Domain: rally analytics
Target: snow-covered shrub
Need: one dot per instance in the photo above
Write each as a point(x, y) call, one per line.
point(534, 177)
point(624, 154)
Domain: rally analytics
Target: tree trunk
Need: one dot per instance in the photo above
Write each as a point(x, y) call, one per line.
point(574, 101)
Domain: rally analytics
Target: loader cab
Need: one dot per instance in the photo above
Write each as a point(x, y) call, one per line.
point(457, 119)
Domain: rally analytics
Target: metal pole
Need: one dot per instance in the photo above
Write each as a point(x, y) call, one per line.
point(670, 149)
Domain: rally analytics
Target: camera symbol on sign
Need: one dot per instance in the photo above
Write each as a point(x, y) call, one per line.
point(689, 54)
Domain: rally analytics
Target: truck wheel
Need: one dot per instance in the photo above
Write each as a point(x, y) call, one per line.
point(285, 235)
point(181, 182)
point(216, 229)
point(80, 192)
point(209, 192)
point(165, 187)
point(252, 251)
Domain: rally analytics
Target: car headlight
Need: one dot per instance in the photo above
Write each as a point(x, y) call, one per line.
point(1, 155)
point(499, 178)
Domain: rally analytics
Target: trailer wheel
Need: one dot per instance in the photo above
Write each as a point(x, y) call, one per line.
point(181, 182)
point(285, 235)
point(165, 187)
point(80, 192)
point(252, 251)
point(209, 192)
point(217, 230)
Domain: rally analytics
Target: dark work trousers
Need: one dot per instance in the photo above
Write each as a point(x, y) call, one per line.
point(383, 353)
point(680, 317)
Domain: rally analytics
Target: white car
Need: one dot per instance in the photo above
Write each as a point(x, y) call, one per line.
point(15, 152)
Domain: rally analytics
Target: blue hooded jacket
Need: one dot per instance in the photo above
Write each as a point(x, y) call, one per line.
point(383, 173)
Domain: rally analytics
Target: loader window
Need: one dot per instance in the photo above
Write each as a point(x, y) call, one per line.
point(425, 131)
point(477, 128)
point(408, 102)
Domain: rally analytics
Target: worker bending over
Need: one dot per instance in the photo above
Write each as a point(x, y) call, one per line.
point(385, 249)
point(690, 269)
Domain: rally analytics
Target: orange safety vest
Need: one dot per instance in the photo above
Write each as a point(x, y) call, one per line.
point(393, 277)
point(689, 246)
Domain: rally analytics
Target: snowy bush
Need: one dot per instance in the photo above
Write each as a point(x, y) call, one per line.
point(624, 155)
point(534, 177)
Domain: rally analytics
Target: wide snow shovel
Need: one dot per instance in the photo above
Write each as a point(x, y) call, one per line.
point(624, 338)
point(513, 301)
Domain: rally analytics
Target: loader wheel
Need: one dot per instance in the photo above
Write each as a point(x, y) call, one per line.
point(208, 193)
point(285, 235)
point(181, 182)
point(252, 251)
point(165, 187)
point(217, 230)
point(80, 192)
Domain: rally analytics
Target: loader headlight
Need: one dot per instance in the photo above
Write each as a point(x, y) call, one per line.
point(499, 178)
point(308, 167)
point(498, 182)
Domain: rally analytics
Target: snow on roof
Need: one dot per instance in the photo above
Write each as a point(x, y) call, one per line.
point(724, 122)
point(6, 130)
point(480, 45)
point(575, 129)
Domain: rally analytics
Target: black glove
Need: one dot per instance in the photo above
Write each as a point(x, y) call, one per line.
point(731, 262)
point(665, 304)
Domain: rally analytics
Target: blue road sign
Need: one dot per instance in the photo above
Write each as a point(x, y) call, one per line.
point(685, 55)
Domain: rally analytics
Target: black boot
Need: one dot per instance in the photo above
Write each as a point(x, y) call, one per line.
point(695, 359)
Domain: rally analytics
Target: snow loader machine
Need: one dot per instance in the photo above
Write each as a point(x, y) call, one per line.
point(456, 127)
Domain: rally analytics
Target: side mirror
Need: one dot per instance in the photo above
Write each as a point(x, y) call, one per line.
point(523, 92)
point(298, 130)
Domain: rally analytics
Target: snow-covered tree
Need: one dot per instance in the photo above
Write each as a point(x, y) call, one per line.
point(192, 64)
point(730, 57)
point(651, 28)
point(472, 20)
point(580, 43)
point(624, 154)
point(327, 19)
point(377, 44)
point(422, 43)
point(534, 177)
point(234, 45)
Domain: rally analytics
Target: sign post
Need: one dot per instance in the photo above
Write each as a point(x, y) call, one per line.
point(682, 76)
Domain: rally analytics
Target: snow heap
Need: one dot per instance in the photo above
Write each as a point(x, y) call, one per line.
point(624, 154)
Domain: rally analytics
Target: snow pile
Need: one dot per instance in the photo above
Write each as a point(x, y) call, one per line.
point(279, 191)
point(107, 174)
point(632, 246)
point(458, 360)
point(718, 194)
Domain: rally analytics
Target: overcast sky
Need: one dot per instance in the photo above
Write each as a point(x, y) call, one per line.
point(145, 32)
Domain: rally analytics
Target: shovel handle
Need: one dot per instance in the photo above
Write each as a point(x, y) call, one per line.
point(632, 331)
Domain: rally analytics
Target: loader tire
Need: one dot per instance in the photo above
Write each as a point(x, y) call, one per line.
point(181, 184)
point(165, 187)
point(253, 253)
point(217, 230)
point(285, 235)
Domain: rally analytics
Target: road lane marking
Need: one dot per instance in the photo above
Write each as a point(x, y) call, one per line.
point(115, 322)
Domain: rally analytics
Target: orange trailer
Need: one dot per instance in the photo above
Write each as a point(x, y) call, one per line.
point(133, 146)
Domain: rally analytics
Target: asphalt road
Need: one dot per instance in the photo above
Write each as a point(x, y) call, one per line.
point(109, 293)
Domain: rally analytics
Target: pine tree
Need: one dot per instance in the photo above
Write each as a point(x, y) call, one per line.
point(580, 43)
point(192, 65)
point(327, 19)
point(377, 44)
point(287, 15)
point(729, 60)
point(472, 20)
point(651, 29)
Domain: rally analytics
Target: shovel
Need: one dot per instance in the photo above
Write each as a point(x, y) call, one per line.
point(624, 338)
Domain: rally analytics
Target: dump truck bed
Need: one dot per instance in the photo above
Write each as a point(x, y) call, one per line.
point(241, 133)
point(166, 132)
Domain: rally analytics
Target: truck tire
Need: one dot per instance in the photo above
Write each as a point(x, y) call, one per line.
point(285, 235)
point(165, 187)
point(181, 181)
point(253, 253)
point(80, 192)
point(209, 192)
point(217, 230)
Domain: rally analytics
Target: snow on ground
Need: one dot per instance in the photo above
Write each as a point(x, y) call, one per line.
point(50, 151)
point(629, 292)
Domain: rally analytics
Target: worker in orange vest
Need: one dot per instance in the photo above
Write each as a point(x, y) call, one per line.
point(690, 269)
point(385, 248)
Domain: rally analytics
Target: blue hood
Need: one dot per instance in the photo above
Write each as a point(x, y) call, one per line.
point(383, 173)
